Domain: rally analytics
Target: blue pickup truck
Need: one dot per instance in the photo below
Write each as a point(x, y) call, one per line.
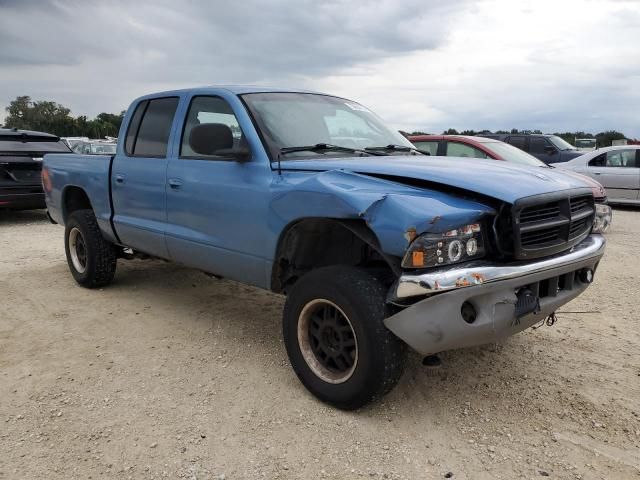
point(375, 244)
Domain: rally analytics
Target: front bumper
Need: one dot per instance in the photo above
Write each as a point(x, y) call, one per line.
point(436, 323)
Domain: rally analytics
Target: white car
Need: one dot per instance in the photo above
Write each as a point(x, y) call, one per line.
point(616, 168)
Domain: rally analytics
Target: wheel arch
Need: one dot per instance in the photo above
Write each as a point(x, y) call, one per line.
point(74, 198)
point(313, 242)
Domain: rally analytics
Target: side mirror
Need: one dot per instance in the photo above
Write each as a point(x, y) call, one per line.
point(216, 139)
point(550, 149)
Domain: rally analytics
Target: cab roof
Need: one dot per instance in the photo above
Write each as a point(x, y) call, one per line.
point(235, 89)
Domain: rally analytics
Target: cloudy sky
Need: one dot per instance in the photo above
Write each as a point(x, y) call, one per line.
point(560, 65)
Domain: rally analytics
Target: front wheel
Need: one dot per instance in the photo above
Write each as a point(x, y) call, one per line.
point(336, 339)
point(91, 258)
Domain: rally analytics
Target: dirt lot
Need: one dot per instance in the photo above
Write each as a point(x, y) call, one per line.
point(169, 373)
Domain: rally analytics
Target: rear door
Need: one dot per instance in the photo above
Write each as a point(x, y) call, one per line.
point(618, 172)
point(138, 177)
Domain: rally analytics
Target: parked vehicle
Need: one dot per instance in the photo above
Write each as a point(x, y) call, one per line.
point(21, 153)
point(94, 147)
point(586, 144)
point(482, 147)
point(308, 195)
point(548, 148)
point(71, 141)
point(617, 168)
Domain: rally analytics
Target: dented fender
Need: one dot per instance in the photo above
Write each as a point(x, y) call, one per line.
point(395, 212)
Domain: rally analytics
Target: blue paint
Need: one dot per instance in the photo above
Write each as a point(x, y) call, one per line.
point(227, 216)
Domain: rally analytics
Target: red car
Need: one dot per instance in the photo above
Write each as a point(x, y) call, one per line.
point(481, 147)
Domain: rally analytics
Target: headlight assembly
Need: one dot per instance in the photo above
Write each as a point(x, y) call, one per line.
point(439, 249)
point(602, 219)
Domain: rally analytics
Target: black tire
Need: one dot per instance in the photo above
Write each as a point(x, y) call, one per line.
point(379, 354)
point(97, 255)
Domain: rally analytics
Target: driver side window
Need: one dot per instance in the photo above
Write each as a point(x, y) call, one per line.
point(431, 147)
point(209, 110)
point(457, 149)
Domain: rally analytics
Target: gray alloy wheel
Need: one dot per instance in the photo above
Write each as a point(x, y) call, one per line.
point(327, 341)
point(77, 250)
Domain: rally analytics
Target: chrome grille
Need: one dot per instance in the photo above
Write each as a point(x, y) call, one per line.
point(550, 225)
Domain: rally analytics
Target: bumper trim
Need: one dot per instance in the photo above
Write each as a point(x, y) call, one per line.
point(22, 201)
point(477, 273)
point(437, 323)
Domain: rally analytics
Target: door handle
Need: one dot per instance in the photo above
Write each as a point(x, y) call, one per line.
point(175, 183)
point(119, 178)
point(597, 173)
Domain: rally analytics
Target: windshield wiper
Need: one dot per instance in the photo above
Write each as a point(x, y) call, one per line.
point(396, 148)
point(326, 147)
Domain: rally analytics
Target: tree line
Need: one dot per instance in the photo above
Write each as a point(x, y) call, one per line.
point(47, 116)
point(51, 117)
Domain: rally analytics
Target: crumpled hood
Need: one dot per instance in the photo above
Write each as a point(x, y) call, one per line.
point(500, 180)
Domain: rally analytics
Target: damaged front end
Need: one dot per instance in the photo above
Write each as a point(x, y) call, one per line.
point(467, 268)
point(462, 306)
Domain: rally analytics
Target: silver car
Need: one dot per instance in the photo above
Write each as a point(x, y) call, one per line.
point(616, 168)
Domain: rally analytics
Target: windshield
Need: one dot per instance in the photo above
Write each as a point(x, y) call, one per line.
point(103, 148)
point(297, 119)
point(514, 155)
point(561, 144)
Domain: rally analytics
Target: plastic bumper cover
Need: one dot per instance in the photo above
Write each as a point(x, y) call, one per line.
point(436, 323)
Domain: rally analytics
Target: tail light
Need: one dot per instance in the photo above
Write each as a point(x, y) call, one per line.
point(46, 180)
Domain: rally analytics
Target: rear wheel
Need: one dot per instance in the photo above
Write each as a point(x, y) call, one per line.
point(92, 259)
point(336, 339)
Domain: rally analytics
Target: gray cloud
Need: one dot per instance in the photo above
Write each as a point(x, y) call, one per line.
point(250, 37)
point(404, 59)
point(95, 56)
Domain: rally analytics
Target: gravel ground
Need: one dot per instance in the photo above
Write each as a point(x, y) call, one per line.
point(171, 374)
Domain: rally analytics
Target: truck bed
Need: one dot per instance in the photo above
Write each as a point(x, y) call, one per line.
point(92, 174)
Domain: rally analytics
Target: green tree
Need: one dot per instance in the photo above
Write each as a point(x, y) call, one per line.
point(604, 139)
point(51, 117)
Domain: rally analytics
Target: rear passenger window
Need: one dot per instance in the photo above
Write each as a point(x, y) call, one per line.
point(134, 125)
point(431, 147)
point(456, 149)
point(621, 158)
point(153, 133)
point(517, 142)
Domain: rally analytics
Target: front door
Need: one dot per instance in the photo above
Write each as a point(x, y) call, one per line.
point(217, 204)
point(138, 177)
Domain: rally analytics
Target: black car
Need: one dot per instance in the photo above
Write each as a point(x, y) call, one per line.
point(548, 148)
point(21, 154)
